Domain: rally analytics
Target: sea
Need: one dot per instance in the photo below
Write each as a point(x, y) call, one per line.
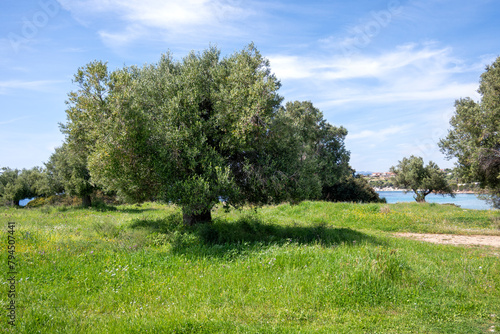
point(465, 201)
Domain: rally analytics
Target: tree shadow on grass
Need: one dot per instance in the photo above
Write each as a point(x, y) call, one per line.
point(167, 225)
point(223, 237)
point(104, 207)
point(134, 210)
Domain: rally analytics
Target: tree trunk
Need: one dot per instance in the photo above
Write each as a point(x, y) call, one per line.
point(420, 197)
point(193, 219)
point(86, 201)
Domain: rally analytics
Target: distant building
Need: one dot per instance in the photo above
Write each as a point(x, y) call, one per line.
point(384, 174)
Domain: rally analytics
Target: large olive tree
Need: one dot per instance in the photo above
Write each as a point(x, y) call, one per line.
point(196, 132)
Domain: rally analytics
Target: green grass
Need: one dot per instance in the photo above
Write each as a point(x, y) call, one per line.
point(310, 268)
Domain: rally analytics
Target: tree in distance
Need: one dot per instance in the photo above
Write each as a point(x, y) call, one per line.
point(412, 175)
point(474, 138)
point(66, 171)
point(16, 185)
point(200, 131)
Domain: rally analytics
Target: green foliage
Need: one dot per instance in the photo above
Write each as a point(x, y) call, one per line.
point(475, 135)
point(174, 129)
point(318, 155)
point(8, 179)
point(411, 174)
point(195, 131)
point(16, 185)
point(351, 189)
point(67, 171)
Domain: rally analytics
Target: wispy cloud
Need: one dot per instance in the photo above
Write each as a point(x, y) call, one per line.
point(406, 73)
point(158, 17)
point(13, 120)
point(382, 66)
point(37, 85)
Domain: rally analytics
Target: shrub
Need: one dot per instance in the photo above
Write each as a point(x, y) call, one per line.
point(351, 189)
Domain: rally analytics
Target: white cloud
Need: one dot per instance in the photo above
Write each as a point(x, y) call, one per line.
point(120, 38)
point(158, 17)
point(336, 67)
point(379, 135)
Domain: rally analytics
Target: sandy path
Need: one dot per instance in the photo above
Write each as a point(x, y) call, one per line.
point(452, 239)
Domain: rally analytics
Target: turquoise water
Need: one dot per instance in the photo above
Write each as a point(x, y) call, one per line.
point(466, 201)
point(25, 201)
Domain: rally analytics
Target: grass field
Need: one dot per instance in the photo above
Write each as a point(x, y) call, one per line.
point(315, 267)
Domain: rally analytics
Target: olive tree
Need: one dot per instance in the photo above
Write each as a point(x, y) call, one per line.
point(411, 174)
point(66, 171)
point(16, 185)
point(199, 131)
point(474, 137)
point(323, 159)
point(190, 132)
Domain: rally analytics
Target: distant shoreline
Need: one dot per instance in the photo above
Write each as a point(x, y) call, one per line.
point(403, 190)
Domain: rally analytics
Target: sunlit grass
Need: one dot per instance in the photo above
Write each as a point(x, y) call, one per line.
point(311, 268)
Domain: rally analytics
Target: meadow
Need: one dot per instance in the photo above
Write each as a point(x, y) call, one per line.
point(314, 267)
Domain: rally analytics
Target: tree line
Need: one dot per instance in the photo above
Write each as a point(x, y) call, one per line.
point(209, 129)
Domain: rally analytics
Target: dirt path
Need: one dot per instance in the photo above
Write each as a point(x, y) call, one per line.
point(452, 239)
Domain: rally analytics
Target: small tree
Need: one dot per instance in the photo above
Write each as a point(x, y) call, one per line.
point(412, 175)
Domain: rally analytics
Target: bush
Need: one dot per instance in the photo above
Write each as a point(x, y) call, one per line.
point(37, 202)
point(100, 201)
point(351, 189)
point(55, 200)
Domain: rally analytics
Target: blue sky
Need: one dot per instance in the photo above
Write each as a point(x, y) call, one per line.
point(388, 71)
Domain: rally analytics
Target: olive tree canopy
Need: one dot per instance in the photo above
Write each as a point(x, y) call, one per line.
point(197, 132)
point(474, 137)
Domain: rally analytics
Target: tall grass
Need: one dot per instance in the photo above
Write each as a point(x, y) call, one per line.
point(310, 268)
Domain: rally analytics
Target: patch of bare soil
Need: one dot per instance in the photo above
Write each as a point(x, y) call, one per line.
point(452, 239)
